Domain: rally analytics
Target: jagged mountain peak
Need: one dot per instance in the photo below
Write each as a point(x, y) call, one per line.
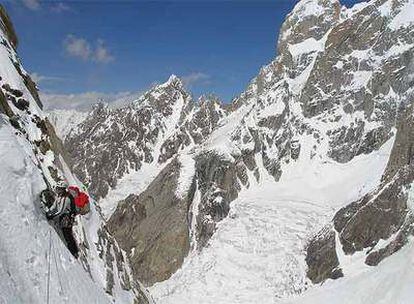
point(309, 8)
point(151, 130)
point(166, 96)
point(174, 80)
point(309, 19)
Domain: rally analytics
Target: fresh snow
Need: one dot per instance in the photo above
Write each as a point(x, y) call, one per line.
point(360, 79)
point(307, 8)
point(187, 171)
point(131, 183)
point(307, 46)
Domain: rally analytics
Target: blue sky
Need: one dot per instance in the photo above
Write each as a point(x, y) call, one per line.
point(74, 47)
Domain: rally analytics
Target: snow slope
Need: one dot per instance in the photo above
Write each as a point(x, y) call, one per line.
point(26, 237)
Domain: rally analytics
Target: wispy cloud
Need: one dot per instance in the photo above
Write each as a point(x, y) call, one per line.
point(60, 7)
point(84, 101)
point(81, 48)
point(32, 4)
point(44, 79)
point(195, 78)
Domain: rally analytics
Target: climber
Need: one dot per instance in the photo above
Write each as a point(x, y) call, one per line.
point(63, 211)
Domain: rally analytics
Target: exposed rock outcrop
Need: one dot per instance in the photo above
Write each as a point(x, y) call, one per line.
point(321, 258)
point(153, 227)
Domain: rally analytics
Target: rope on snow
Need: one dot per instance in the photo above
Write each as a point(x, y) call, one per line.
point(48, 267)
point(57, 268)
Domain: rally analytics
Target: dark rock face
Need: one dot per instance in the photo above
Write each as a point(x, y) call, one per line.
point(321, 257)
point(219, 184)
point(153, 227)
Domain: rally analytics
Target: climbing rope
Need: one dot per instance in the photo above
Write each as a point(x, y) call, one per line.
point(48, 267)
point(57, 268)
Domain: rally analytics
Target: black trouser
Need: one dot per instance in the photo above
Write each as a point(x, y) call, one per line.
point(66, 225)
point(70, 240)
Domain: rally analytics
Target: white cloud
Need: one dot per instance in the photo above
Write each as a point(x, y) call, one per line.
point(81, 48)
point(84, 101)
point(32, 4)
point(195, 78)
point(77, 47)
point(102, 54)
point(42, 79)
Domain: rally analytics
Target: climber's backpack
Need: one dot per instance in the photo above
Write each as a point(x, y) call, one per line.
point(81, 200)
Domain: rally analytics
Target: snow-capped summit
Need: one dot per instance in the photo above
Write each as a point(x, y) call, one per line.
point(174, 80)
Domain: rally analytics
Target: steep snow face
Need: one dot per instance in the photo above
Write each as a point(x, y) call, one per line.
point(35, 264)
point(66, 121)
point(28, 243)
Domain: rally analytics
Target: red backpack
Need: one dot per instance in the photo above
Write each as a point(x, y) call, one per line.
point(81, 200)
